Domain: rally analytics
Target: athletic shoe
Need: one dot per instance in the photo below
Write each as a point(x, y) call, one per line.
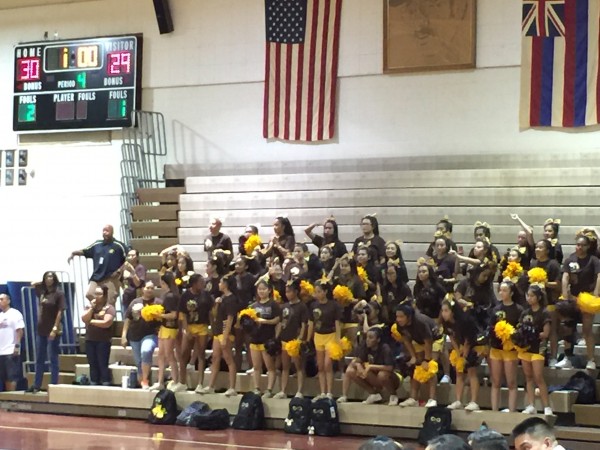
point(393, 400)
point(445, 380)
point(505, 410)
point(250, 371)
point(230, 392)
point(472, 406)
point(455, 405)
point(319, 397)
point(207, 390)
point(342, 399)
point(581, 341)
point(179, 387)
point(33, 390)
point(373, 398)
point(552, 362)
point(298, 395)
point(408, 402)
point(591, 365)
point(157, 387)
point(329, 396)
point(565, 363)
point(530, 410)
point(267, 394)
point(145, 386)
point(256, 391)
point(198, 388)
point(548, 411)
point(280, 395)
point(431, 403)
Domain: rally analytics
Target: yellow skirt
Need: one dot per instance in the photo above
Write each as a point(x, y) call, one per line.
point(198, 329)
point(502, 355)
point(167, 333)
point(526, 356)
point(322, 340)
point(222, 341)
point(436, 347)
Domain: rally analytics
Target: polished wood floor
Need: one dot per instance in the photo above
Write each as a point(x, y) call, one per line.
point(43, 431)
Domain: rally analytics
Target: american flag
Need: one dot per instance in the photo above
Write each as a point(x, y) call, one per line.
point(559, 64)
point(301, 69)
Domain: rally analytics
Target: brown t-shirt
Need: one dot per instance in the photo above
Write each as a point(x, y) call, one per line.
point(50, 304)
point(538, 319)
point(420, 329)
point(138, 327)
point(227, 307)
point(170, 302)
point(381, 356)
point(324, 316)
point(293, 315)
point(268, 310)
point(510, 313)
point(196, 307)
point(95, 333)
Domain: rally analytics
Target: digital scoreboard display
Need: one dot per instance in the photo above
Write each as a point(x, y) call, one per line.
point(77, 84)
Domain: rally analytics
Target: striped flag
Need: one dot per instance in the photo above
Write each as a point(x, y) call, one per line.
point(559, 67)
point(301, 69)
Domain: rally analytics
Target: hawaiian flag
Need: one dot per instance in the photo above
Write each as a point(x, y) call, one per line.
point(559, 63)
point(302, 47)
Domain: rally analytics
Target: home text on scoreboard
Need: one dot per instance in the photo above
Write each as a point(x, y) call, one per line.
point(77, 84)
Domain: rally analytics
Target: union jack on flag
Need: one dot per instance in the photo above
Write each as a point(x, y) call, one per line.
point(560, 58)
point(543, 18)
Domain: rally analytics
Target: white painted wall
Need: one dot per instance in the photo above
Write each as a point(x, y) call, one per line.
point(206, 78)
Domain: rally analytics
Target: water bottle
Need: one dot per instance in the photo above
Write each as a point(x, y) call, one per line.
point(133, 379)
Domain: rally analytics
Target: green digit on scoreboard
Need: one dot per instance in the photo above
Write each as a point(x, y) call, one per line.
point(81, 80)
point(123, 108)
point(27, 112)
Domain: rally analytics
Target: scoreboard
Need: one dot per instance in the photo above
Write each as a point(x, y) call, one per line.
point(78, 84)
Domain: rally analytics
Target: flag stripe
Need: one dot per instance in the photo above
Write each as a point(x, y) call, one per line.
point(299, 88)
point(570, 48)
point(536, 78)
point(288, 89)
point(547, 82)
point(324, 71)
point(580, 99)
point(266, 103)
point(558, 82)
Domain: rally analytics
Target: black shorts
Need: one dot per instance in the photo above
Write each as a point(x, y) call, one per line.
point(9, 368)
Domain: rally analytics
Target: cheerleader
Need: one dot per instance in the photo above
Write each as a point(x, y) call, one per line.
point(348, 276)
point(327, 259)
point(545, 258)
point(551, 228)
point(373, 370)
point(466, 353)
point(277, 281)
point(480, 252)
point(370, 236)
point(324, 327)
point(503, 358)
point(292, 327)
point(284, 240)
point(512, 269)
point(246, 250)
point(580, 275)
point(167, 335)
point(214, 272)
point(194, 316)
point(421, 337)
point(482, 232)
point(537, 319)
point(445, 264)
point(183, 271)
point(225, 313)
point(442, 229)
point(393, 292)
point(393, 254)
point(268, 312)
point(330, 237)
point(365, 258)
point(245, 295)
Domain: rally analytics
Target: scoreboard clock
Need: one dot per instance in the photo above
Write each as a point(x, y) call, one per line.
point(77, 84)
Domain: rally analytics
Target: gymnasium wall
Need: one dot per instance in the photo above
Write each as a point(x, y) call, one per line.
point(206, 78)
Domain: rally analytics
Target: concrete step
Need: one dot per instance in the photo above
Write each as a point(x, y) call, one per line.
point(67, 363)
point(151, 212)
point(162, 228)
point(160, 195)
point(63, 378)
point(587, 415)
point(155, 245)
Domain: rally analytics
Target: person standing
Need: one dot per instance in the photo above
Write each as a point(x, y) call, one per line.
point(47, 342)
point(108, 255)
point(217, 240)
point(11, 333)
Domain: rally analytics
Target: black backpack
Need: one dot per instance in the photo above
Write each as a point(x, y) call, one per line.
point(190, 414)
point(164, 408)
point(584, 385)
point(438, 421)
point(217, 419)
point(298, 419)
point(324, 417)
point(251, 414)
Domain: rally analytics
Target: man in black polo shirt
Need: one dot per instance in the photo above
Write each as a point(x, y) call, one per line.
point(217, 240)
point(108, 256)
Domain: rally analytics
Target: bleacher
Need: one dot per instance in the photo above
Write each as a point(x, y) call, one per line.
point(409, 196)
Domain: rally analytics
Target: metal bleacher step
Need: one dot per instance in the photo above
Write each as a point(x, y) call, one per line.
point(163, 228)
point(63, 378)
point(587, 415)
point(155, 245)
point(154, 212)
point(159, 195)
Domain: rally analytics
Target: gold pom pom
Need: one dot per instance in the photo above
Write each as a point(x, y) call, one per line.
point(343, 294)
point(422, 374)
point(537, 275)
point(588, 303)
point(248, 312)
point(457, 361)
point(251, 243)
point(513, 270)
point(276, 296)
point(306, 289)
point(504, 330)
point(346, 345)
point(335, 351)
point(151, 313)
point(396, 334)
point(292, 347)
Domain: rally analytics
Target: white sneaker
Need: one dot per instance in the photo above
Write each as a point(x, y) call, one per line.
point(591, 365)
point(552, 362)
point(505, 410)
point(179, 387)
point(581, 341)
point(530, 410)
point(455, 405)
point(230, 392)
point(408, 402)
point(393, 400)
point(329, 396)
point(319, 397)
point(342, 399)
point(256, 391)
point(207, 390)
point(280, 395)
point(431, 403)
point(472, 406)
point(198, 388)
point(267, 394)
point(565, 363)
point(156, 387)
point(548, 411)
point(373, 398)
point(298, 395)
point(250, 371)
point(445, 380)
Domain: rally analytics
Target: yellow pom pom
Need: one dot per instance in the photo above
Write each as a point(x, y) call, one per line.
point(251, 243)
point(292, 347)
point(588, 303)
point(248, 312)
point(346, 345)
point(513, 270)
point(457, 361)
point(152, 313)
point(362, 274)
point(334, 350)
point(306, 289)
point(537, 275)
point(178, 281)
point(276, 296)
point(343, 294)
point(504, 330)
point(396, 334)
point(423, 375)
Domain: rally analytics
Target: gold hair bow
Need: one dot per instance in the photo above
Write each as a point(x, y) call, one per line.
point(479, 224)
point(553, 242)
point(440, 233)
point(445, 219)
point(552, 221)
point(588, 233)
point(395, 262)
point(266, 278)
point(450, 297)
